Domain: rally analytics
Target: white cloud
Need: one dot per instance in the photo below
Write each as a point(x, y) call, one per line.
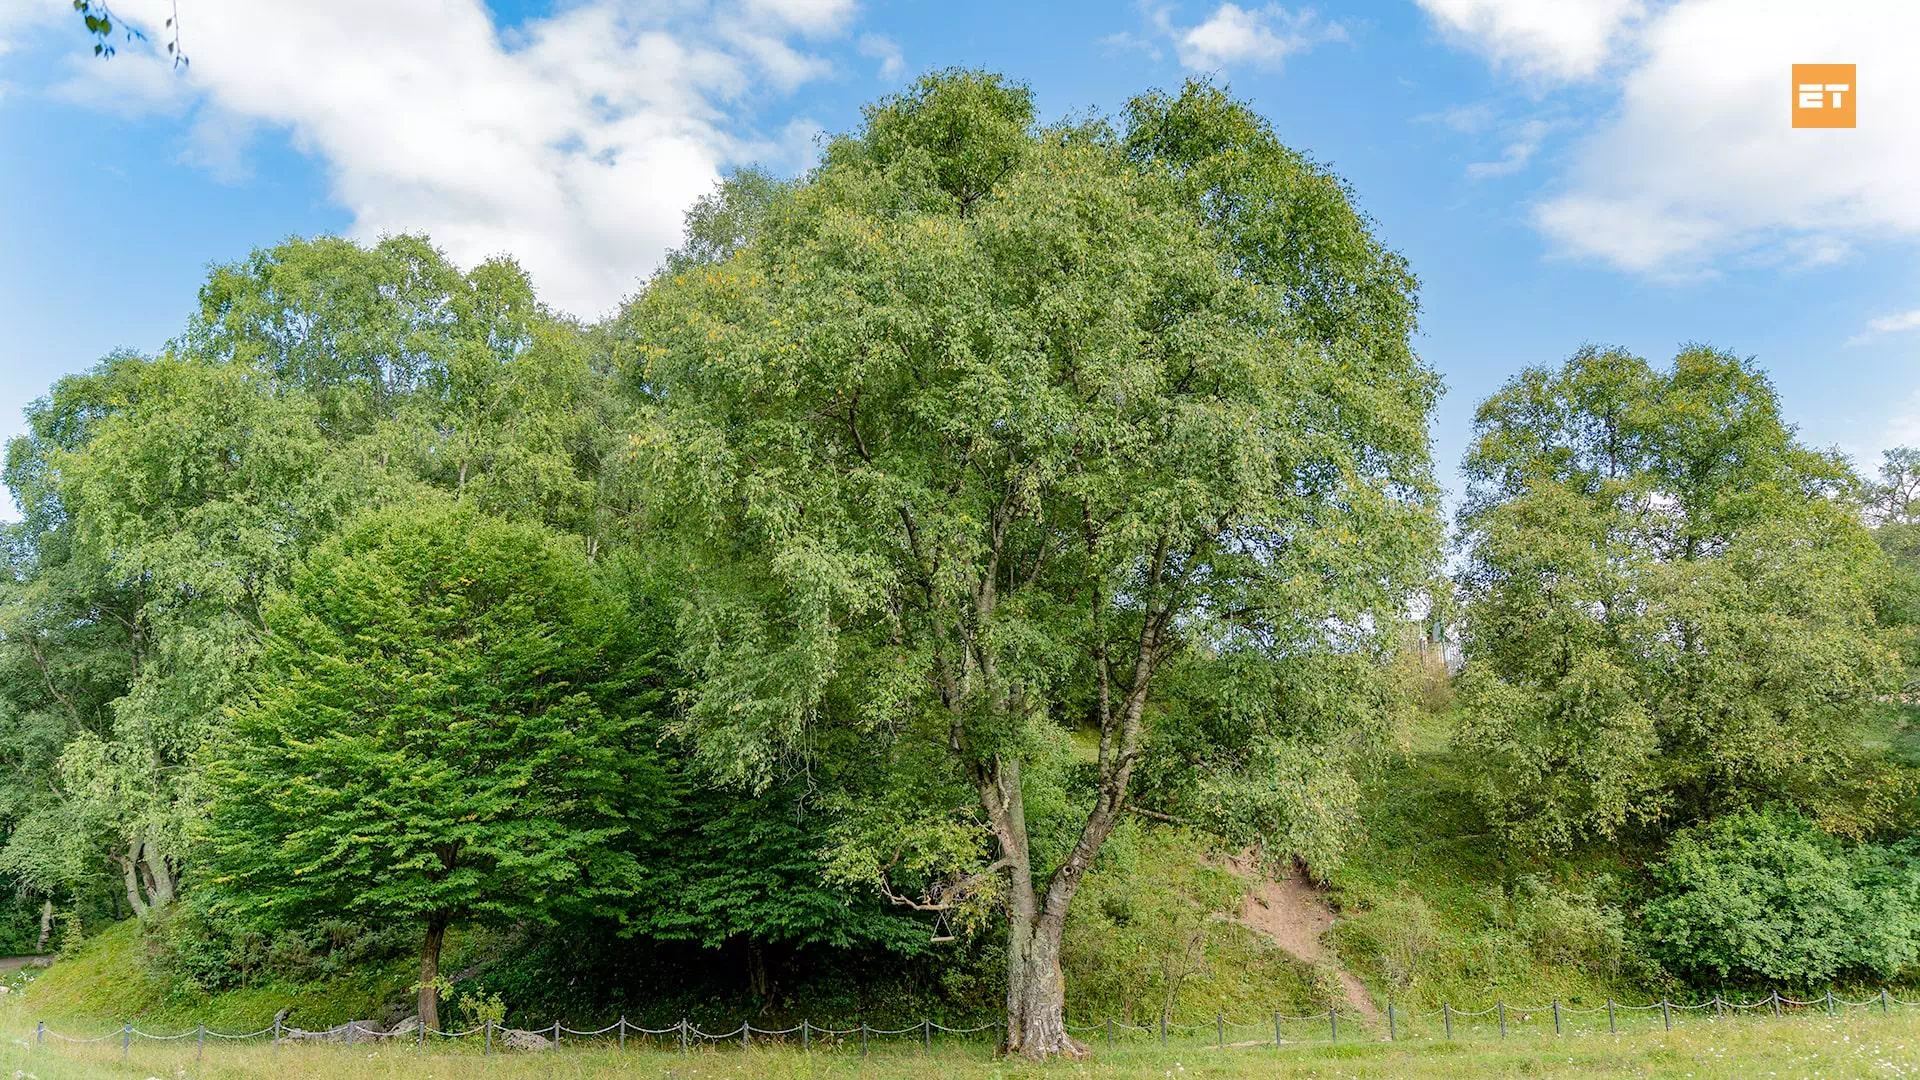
point(1696, 164)
point(21, 19)
point(1234, 35)
point(1517, 153)
point(1557, 40)
point(893, 63)
point(1897, 323)
point(574, 143)
point(807, 16)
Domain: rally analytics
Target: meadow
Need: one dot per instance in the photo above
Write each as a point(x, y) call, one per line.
point(1856, 1043)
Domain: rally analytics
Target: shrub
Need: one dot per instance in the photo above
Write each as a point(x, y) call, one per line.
point(1570, 926)
point(1763, 895)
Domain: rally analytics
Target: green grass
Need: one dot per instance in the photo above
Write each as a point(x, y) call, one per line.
point(1427, 854)
point(107, 979)
point(1857, 1045)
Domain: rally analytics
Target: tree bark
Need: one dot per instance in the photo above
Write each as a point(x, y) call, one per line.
point(429, 999)
point(130, 873)
point(161, 875)
point(1037, 994)
point(46, 924)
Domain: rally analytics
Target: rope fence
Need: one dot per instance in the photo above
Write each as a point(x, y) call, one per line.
point(1396, 1024)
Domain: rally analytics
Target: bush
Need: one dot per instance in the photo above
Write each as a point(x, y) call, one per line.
point(1765, 896)
point(1570, 926)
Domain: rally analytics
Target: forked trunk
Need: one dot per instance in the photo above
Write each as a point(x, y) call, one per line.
point(429, 1000)
point(1037, 994)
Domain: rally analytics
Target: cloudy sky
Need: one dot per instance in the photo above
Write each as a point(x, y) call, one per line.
point(1558, 171)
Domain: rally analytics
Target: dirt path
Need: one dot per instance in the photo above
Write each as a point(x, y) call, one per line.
point(15, 963)
point(1293, 914)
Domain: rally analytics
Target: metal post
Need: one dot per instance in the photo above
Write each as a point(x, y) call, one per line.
point(1393, 1029)
point(623, 1033)
point(1109, 1032)
point(40, 1034)
point(1883, 1002)
point(863, 1038)
point(1666, 1014)
point(1829, 1003)
point(1556, 1016)
point(1333, 1023)
point(1611, 1029)
point(926, 1034)
point(1503, 1019)
point(487, 1048)
point(200, 1046)
point(683, 1034)
point(126, 1039)
point(1220, 1029)
point(806, 1035)
point(1446, 1017)
point(1776, 1004)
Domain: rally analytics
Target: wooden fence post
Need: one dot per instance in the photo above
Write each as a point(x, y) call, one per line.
point(1446, 1016)
point(1503, 1019)
point(1611, 1028)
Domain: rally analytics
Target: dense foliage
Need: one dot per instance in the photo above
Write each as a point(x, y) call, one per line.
point(925, 585)
point(1766, 897)
point(976, 436)
point(440, 730)
point(1671, 605)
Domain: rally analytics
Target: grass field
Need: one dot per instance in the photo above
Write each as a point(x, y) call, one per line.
point(1859, 1044)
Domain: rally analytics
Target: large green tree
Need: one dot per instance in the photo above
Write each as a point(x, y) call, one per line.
point(164, 498)
point(439, 730)
point(1670, 603)
point(985, 425)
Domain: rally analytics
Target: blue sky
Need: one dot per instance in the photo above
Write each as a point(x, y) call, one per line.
point(1610, 171)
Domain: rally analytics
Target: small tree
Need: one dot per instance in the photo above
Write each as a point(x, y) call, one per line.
point(985, 426)
point(435, 733)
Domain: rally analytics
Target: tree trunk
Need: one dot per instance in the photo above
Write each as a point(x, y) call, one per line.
point(46, 924)
point(1037, 994)
point(162, 876)
point(130, 872)
point(429, 1000)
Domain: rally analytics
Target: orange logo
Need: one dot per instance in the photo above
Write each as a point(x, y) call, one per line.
point(1824, 95)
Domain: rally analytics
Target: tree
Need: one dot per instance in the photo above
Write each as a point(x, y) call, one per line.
point(165, 497)
point(984, 427)
point(437, 732)
point(1894, 506)
point(1670, 603)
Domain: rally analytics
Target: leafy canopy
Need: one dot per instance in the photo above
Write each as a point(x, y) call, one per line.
point(1670, 603)
point(438, 730)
